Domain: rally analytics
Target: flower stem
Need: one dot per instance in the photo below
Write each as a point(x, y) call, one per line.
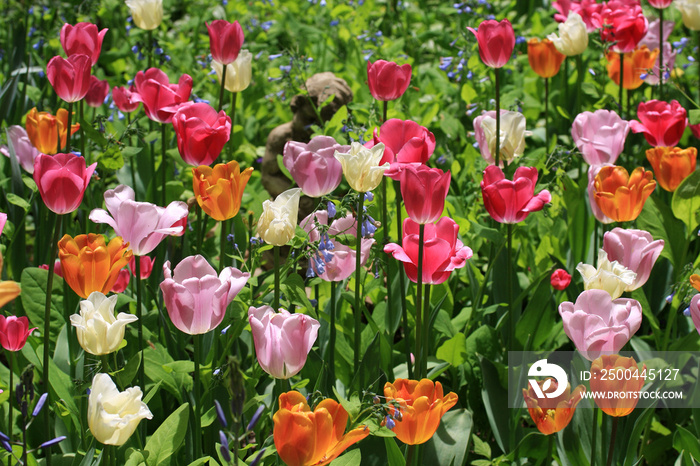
point(331, 342)
point(546, 114)
point(426, 330)
point(142, 373)
point(197, 397)
point(223, 85)
point(276, 301)
point(358, 269)
point(225, 228)
point(402, 283)
point(389, 297)
point(612, 441)
point(385, 111)
point(661, 53)
point(594, 431)
point(234, 96)
point(82, 133)
point(70, 118)
point(622, 81)
point(550, 444)
point(419, 301)
point(509, 285)
point(9, 415)
point(497, 154)
point(163, 131)
point(697, 36)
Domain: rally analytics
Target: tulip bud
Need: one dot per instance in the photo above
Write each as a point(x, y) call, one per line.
point(386, 80)
point(496, 42)
point(238, 74)
point(147, 14)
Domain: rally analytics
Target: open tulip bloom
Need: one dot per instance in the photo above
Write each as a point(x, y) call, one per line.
point(512, 201)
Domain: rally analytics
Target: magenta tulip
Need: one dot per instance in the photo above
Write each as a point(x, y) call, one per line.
point(635, 249)
point(62, 180)
point(512, 201)
point(124, 99)
point(662, 123)
point(97, 93)
point(405, 141)
point(14, 332)
point(70, 77)
point(695, 311)
point(83, 38)
point(584, 8)
point(496, 42)
point(160, 98)
point(622, 23)
point(3, 221)
point(313, 167)
point(424, 191)
point(146, 266)
point(600, 136)
point(122, 282)
point(225, 40)
point(560, 279)
point(660, 3)
point(386, 80)
point(25, 151)
point(201, 132)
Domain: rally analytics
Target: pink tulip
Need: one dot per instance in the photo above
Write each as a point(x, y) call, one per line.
point(225, 40)
point(282, 340)
point(597, 213)
point(98, 92)
point(695, 311)
point(585, 8)
point(160, 98)
point(70, 77)
point(635, 249)
point(661, 123)
point(512, 139)
point(597, 324)
point(3, 220)
point(512, 201)
point(313, 166)
point(125, 99)
point(57, 269)
point(560, 279)
point(195, 297)
point(424, 191)
point(405, 141)
point(202, 132)
point(142, 224)
point(660, 3)
point(386, 80)
point(145, 263)
point(25, 151)
point(83, 38)
point(443, 252)
point(62, 180)
point(496, 42)
point(14, 332)
point(334, 261)
point(600, 136)
point(122, 282)
point(622, 23)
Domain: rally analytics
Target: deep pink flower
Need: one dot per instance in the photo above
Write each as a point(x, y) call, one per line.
point(14, 332)
point(225, 40)
point(62, 180)
point(424, 191)
point(585, 8)
point(3, 220)
point(122, 282)
point(146, 264)
point(635, 249)
point(600, 136)
point(97, 93)
point(57, 269)
point(70, 77)
point(83, 38)
point(387, 80)
point(202, 132)
point(25, 151)
point(560, 279)
point(662, 123)
point(124, 99)
point(695, 311)
point(405, 141)
point(660, 3)
point(496, 42)
point(313, 167)
point(511, 201)
point(597, 213)
point(160, 98)
point(622, 23)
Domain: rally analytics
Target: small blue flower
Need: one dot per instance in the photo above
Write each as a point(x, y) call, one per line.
point(369, 197)
point(331, 209)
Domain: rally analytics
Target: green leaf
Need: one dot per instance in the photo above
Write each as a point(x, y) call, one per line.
point(683, 439)
point(393, 453)
point(481, 448)
point(203, 461)
point(168, 438)
point(14, 199)
point(694, 116)
point(686, 201)
point(449, 444)
point(351, 458)
point(88, 130)
point(493, 395)
point(657, 219)
point(111, 159)
point(454, 350)
point(468, 93)
point(33, 283)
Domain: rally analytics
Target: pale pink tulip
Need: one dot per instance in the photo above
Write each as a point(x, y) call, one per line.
point(313, 166)
point(600, 136)
point(597, 213)
point(695, 311)
point(635, 249)
point(25, 152)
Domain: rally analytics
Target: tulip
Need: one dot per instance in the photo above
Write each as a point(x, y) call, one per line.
point(560, 279)
point(142, 224)
point(544, 58)
point(690, 13)
point(90, 264)
point(9, 289)
point(277, 224)
point(83, 38)
point(313, 166)
point(660, 3)
point(361, 166)
point(195, 297)
point(14, 331)
point(160, 98)
point(43, 129)
point(652, 40)
point(586, 9)
point(600, 136)
point(147, 14)
point(621, 196)
point(62, 180)
point(662, 123)
point(387, 80)
point(596, 323)
point(3, 220)
point(98, 331)
point(424, 191)
point(219, 190)
point(695, 311)
point(238, 74)
point(593, 171)
point(282, 340)
point(113, 415)
point(552, 414)
point(335, 261)
point(511, 201)
point(672, 165)
point(124, 99)
point(405, 141)
point(312, 438)
point(225, 40)
point(622, 402)
point(512, 136)
point(122, 282)
point(201, 132)
point(443, 252)
point(612, 277)
point(146, 265)
point(573, 36)
point(695, 281)
point(70, 78)
point(621, 23)
point(97, 93)
point(496, 42)
point(634, 249)
point(636, 64)
point(22, 147)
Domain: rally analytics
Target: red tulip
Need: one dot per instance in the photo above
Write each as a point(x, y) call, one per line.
point(14, 332)
point(201, 133)
point(387, 80)
point(511, 201)
point(70, 78)
point(122, 282)
point(124, 98)
point(97, 93)
point(660, 3)
point(83, 38)
point(225, 40)
point(584, 8)
point(496, 42)
point(662, 123)
point(424, 190)
point(623, 23)
point(560, 279)
point(160, 98)
point(62, 180)
point(146, 264)
point(405, 141)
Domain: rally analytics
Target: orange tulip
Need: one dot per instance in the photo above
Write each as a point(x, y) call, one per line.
point(621, 196)
point(90, 264)
point(305, 438)
point(695, 281)
point(43, 130)
point(421, 404)
point(620, 377)
point(672, 165)
point(636, 63)
point(552, 414)
point(544, 58)
point(219, 190)
point(9, 290)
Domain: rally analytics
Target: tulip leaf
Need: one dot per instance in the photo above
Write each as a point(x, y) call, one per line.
point(686, 201)
point(393, 453)
point(351, 458)
point(694, 116)
point(168, 438)
point(454, 350)
point(493, 394)
point(449, 444)
point(87, 129)
point(657, 219)
point(33, 283)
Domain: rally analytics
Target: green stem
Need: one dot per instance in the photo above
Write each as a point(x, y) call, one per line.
point(410, 454)
point(132, 159)
point(83, 135)
point(149, 48)
point(612, 441)
point(276, 301)
point(9, 414)
point(105, 363)
point(225, 228)
point(70, 118)
point(139, 314)
point(200, 229)
point(223, 86)
point(331, 342)
point(622, 81)
point(163, 131)
point(497, 152)
point(697, 36)
point(389, 297)
point(550, 444)
point(509, 285)
point(419, 301)
point(426, 331)
point(661, 54)
point(580, 73)
point(594, 431)
point(402, 283)
point(358, 270)
point(546, 114)
point(197, 397)
point(234, 96)
point(385, 111)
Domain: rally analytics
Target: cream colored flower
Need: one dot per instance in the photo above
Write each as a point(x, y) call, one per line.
point(612, 277)
point(278, 221)
point(690, 12)
point(512, 136)
point(147, 14)
point(98, 331)
point(573, 36)
point(238, 74)
point(361, 166)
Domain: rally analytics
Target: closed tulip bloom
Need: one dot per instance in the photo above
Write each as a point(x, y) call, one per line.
point(612, 277)
point(695, 281)
point(496, 42)
point(160, 98)
point(690, 13)
point(597, 213)
point(278, 222)
point(124, 99)
point(512, 137)
point(9, 289)
point(544, 58)
point(238, 74)
point(421, 406)
point(362, 166)
point(225, 40)
point(424, 191)
point(14, 332)
point(195, 297)
point(660, 3)
point(573, 36)
point(83, 38)
point(695, 311)
point(600, 136)
point(512, 201)
point(122, 282)
point(142, 224)
point(219, 190)
point(44, 129)
point(621, 196)
point(405, 141)
point(387, 80)
point(313, 166)
point(113, 415)
point(145, 264)
point(662, 123)
point(443, 252)
point(560, 279)
point(70, 78)
point(90, 263)
point(3, 220)
point(62, 180)
point(282, 340)
point(621, 23)
point(672, 165)
point(97, 93)
point(621, 403)
point(147, 14)
point(552, 414)
point(201, 132)
point(312, 438)
point(637, 63)
point(22, 146)
point(98, 330)
point(634, 249)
